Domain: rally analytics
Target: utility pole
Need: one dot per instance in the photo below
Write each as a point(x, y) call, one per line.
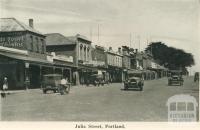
point(98, 33)
point(130, 40)
point(151, 44)
point(147, 42)
point(91, 33)
point(139, 41)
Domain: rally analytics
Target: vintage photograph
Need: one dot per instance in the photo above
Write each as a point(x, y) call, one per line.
point(99, 60)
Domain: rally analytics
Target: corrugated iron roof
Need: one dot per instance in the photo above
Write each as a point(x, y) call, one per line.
point(11, 25)
point(53, 39)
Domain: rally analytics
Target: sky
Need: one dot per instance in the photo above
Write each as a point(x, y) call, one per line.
point(115, 22)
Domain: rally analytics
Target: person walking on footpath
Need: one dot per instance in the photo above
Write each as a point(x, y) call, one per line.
point(5, 87)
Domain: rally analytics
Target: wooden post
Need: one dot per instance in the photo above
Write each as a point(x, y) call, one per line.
point(40, 76)
point(27, 76)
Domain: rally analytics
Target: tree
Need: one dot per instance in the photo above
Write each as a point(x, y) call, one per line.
point(170, 57)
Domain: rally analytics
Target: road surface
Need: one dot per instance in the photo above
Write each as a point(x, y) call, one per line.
point(105, 103)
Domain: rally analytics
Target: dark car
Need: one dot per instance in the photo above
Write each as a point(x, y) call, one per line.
point(134, 80)
point(52, 82)
point(97, 80)
point(175, 78)
point(196, 77)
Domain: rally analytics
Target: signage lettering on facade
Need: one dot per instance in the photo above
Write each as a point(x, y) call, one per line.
point(12, 41)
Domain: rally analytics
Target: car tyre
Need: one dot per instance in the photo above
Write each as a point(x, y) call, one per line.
point(44, 91)
point(125, 87)
point(67, 90)
point(141, 88)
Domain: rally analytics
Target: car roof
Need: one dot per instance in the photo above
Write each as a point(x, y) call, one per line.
point(134, 77)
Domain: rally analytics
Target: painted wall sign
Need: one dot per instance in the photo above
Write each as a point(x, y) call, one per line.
point(12, 41)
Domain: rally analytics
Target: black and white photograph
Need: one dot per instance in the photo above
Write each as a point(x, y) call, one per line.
point(99, 61)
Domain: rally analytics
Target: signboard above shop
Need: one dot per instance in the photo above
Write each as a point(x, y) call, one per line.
point(12, 41)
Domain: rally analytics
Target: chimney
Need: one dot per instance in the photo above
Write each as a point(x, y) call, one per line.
point(136, 50)
point(110, 48)
point(31, 23)
point(119, 50)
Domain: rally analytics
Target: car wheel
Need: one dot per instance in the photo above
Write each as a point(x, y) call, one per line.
point(67, 89)
point(125, 87)
point(44, 91)
point(141, 88)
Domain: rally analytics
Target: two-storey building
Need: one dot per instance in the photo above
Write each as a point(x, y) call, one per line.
point(79, 47)
point(114, 64)
point(99, 61)
point(22, 53)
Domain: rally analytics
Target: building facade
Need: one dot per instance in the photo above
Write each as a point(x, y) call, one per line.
point(78, 47)
point(23, 57)
point(23, 50)
point(114, 65)
point(99, 61)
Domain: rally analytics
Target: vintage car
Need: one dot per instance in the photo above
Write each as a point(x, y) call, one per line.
point(52, 82)
point(134, 80)
point(196, 77)
point(175, 78)
point(97, 80)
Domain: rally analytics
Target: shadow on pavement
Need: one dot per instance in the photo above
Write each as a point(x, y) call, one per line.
point(132, 89)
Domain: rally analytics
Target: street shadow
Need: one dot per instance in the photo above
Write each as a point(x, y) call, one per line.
point(131, 89)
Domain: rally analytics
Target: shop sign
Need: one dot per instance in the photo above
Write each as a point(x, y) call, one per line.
point(12, 41)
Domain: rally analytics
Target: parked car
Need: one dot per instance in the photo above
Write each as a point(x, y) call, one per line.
point(134, 80)
point(97, 80)
point(52, 82)
point(175, 78)
point(196, 77)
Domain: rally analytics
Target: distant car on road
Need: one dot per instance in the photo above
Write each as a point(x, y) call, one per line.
point(52, 82)
point(134, 80)
point(175, 78)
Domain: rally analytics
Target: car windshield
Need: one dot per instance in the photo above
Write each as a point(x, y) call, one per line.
point(175, 73)
point(139, 75)
point(52, 77)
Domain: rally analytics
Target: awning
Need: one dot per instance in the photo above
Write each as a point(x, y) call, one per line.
point(25, 58)
point(134, 71)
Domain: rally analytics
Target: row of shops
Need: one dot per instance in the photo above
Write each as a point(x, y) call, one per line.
point(26, 56)
point(23, 70)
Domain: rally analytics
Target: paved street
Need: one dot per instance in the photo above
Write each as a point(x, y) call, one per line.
point(107, 103)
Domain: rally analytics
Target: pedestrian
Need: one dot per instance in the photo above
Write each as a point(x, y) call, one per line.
point(5, 87)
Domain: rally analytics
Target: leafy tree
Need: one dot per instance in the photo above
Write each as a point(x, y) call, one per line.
point(170, 57)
